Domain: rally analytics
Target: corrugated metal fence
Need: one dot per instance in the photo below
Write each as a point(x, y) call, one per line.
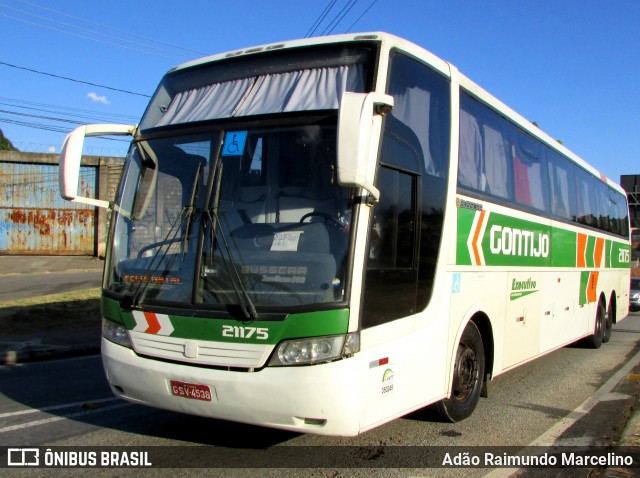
point(34, 219)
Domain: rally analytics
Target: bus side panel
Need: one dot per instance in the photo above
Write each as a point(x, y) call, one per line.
point(403, 366)
point(563, 318)
point(525, 294)
point(471, 295)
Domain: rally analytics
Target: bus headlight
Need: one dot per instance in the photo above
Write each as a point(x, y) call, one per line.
point(315, 349)
point(116, 333)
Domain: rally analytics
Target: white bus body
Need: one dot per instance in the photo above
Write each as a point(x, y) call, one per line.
point(326, 234)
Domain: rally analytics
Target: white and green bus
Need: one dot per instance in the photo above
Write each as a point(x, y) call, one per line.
point(323, 235)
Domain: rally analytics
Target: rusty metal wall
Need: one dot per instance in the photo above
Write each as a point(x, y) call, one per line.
point(34, 219)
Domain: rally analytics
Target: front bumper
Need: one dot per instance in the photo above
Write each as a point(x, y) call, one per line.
point(320, 399)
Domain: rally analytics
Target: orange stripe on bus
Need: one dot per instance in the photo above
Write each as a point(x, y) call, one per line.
point(597, 258)
point(152, 320)
point(592, 288)
point(582, 246)
point(476, 235)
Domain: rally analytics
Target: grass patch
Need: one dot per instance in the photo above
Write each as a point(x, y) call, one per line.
point(54, 313)
point(85, 294)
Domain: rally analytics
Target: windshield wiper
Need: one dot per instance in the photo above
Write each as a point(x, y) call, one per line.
point(245, 302)
point(185, 214)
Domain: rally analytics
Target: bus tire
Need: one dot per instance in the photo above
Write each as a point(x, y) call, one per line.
point(468, 376)
point(595, 340)
point(608, 323)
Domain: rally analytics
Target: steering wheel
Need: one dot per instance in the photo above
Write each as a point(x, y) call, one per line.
point(327, 217)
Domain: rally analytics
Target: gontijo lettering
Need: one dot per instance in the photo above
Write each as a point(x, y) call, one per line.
point(518, 242)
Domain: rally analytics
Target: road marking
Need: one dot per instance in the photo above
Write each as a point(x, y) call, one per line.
point(552, 436)
point(57, 407)
point(45, 421)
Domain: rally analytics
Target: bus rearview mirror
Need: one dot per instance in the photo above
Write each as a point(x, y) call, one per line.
point(71, 156)
point(355, 136)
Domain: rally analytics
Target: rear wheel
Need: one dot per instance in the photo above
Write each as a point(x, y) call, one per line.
point(595, 340)
point(608, 323)
point(468, 375)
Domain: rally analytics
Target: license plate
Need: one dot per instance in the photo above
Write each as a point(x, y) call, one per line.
point(194, 391)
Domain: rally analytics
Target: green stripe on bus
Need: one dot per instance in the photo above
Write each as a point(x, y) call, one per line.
point(591, 247)
point(563, 248)
point(309, 324)
point(492, 239)
point(584, 282)
point(465, 222)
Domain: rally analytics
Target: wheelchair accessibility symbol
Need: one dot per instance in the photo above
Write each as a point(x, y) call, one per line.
point(455, 285)
point(234, 143)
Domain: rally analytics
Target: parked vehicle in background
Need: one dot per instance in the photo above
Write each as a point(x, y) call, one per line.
point(635, 252)
point(634, 294)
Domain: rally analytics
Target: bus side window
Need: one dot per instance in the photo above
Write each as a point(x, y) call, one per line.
point(485, 156)
point(561, 192)
point(584, 191)
point(528, 172)
point(470, 168)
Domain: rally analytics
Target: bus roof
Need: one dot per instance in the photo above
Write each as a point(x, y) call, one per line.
point(392, 41)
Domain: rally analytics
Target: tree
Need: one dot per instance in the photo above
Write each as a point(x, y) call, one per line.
point(5, 144)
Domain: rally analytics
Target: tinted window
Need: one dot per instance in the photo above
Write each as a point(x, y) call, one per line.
point(391, 279)
point(499, 161)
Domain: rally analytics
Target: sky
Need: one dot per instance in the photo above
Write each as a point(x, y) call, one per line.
point(572, 66)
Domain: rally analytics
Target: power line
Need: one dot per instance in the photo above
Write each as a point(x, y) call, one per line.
point(76, 121)
point(84, 113)
point(50, 118)
point(50, 127)
point(338, 18)
point(111, 28)
point(360, 17)
point(42, 126)
point(320, 19)
point(73, 79)
point(174, 56)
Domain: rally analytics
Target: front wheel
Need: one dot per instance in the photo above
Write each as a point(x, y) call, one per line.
point(468, 375)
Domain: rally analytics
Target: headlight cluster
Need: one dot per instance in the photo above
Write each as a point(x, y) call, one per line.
point(116, 333)
point(315, 350)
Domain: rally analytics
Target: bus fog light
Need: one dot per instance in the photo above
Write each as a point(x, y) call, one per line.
point(309, 351)
point(116, 333)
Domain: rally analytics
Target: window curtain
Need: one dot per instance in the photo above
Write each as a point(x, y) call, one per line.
point(302, 90)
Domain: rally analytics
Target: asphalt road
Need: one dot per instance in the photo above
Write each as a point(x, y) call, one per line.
point(565, 398)
point(19, 286)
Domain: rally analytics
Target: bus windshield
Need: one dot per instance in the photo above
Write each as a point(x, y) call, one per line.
point(251, 218)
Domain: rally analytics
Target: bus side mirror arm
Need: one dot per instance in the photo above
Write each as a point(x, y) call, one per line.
point(359, 126)
point(71, 156)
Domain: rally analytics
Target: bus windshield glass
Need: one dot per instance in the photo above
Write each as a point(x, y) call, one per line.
point(244, 216)
point(250, 218)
